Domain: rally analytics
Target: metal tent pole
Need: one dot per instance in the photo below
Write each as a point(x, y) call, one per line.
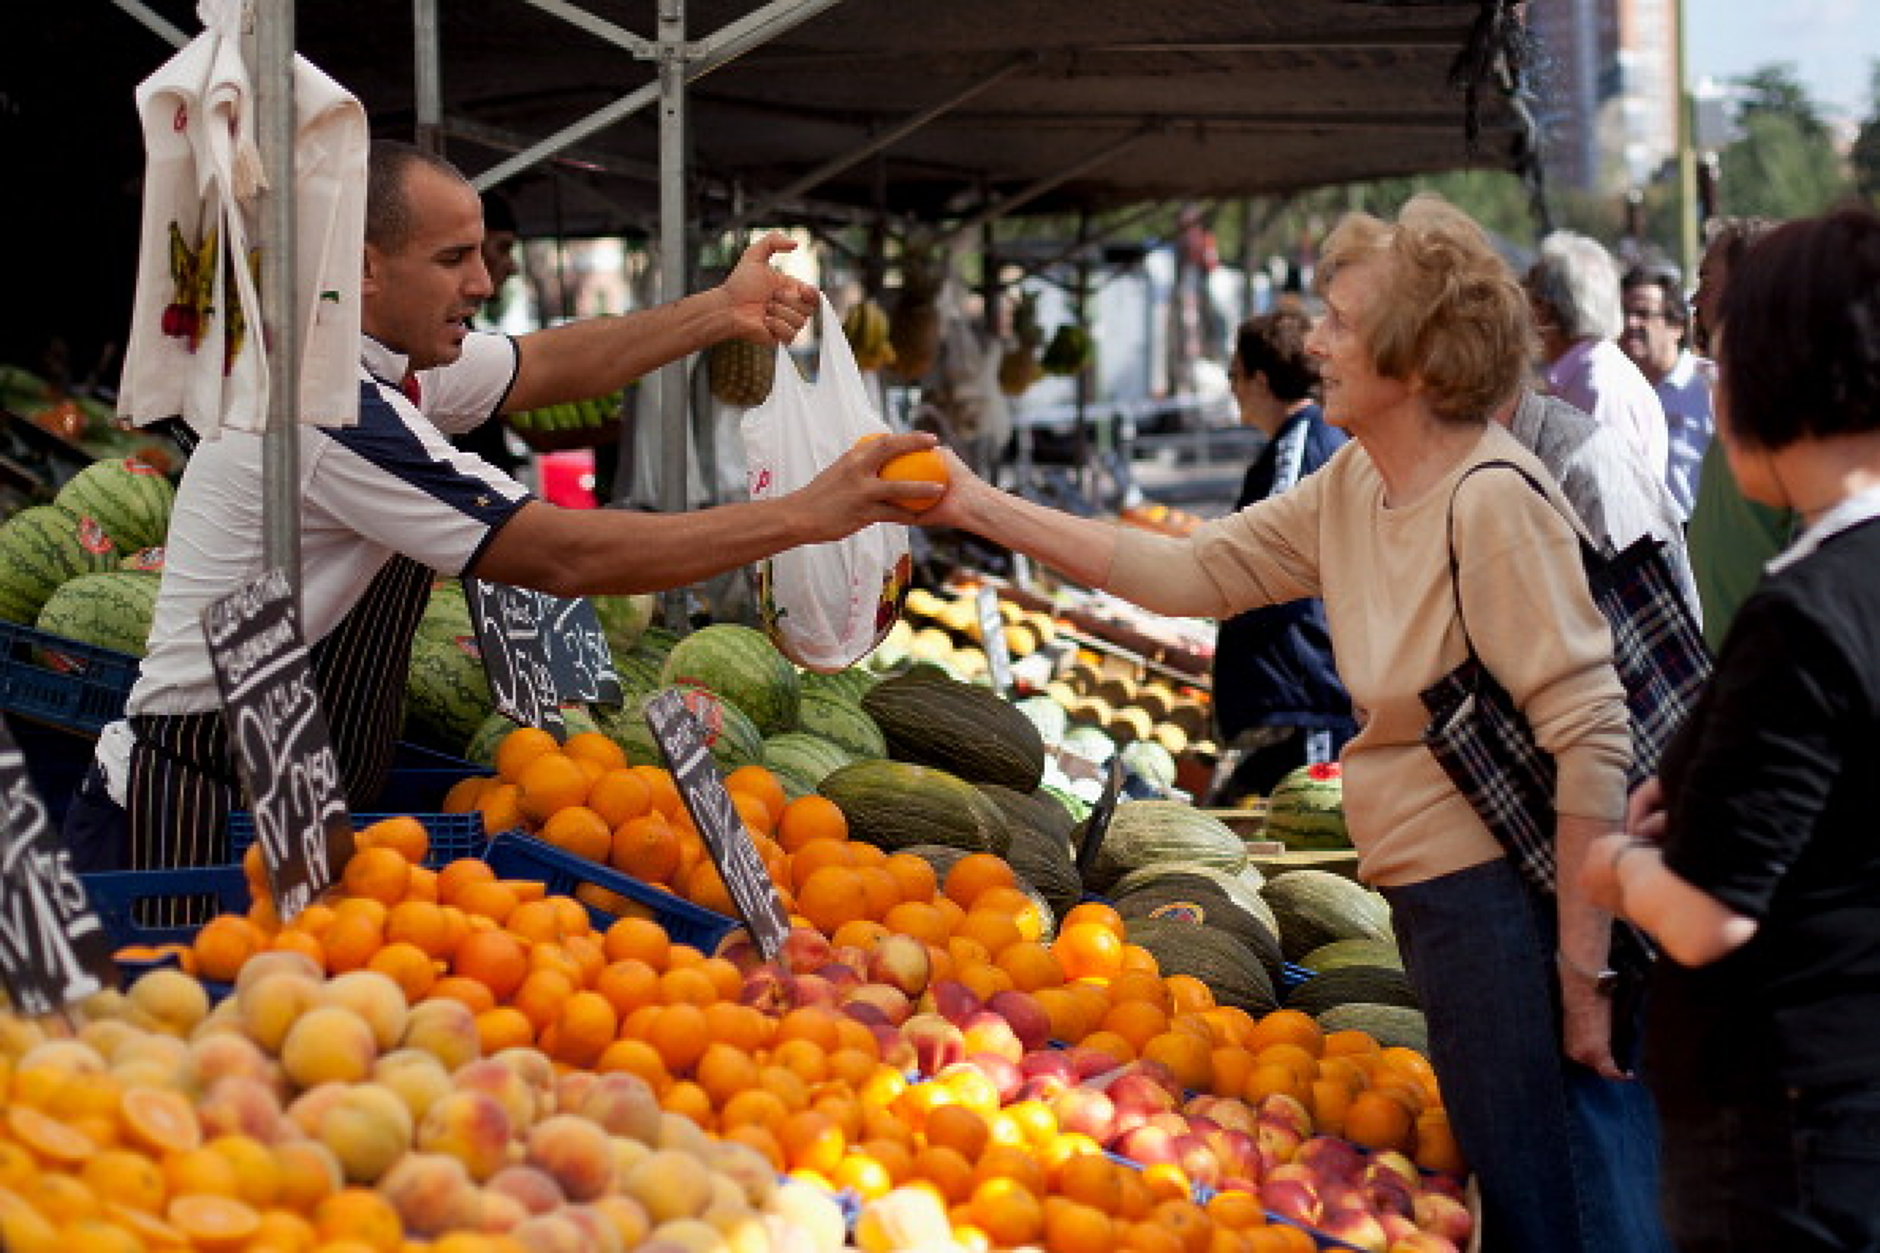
point(272, 68)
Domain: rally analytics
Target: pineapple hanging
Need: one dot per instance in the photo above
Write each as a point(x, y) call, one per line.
point(914, 326)
point(740, 373)
point(866, 325)
point(1019, 368)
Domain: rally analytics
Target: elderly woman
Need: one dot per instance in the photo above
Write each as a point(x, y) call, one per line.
point(1426, 332)
point(1752, 859)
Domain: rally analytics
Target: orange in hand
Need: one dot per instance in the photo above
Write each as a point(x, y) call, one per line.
point(929, 465)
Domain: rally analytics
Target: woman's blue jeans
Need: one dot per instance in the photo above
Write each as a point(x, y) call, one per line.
point(1566, 1161)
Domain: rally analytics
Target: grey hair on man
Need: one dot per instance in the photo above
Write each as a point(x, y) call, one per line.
point(1579, 281)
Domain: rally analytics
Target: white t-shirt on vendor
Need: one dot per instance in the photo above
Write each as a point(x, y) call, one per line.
point(392, 483)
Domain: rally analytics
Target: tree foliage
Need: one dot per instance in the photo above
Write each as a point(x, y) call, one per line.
point(1865, 156)
point(1784, 165)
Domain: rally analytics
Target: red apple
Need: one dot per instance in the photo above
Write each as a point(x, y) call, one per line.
point(1090, 1063)
point(894, 1048)
point(937, 1042)
point(1088, 1111)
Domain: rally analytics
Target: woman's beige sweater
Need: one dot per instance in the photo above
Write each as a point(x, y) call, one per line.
point(1383, 573)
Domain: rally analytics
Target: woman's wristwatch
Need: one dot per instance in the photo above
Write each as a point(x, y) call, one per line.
point(1604, 981)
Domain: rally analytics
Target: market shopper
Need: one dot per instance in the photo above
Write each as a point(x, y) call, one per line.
point(1426, 332)
point(1751, 858)
point(1274, 678)
point(388, 503)
point(1657, 331)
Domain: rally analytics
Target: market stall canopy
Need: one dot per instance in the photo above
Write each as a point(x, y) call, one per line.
point(940, 111)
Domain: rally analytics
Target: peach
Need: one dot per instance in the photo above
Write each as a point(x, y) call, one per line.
point(501, 1083)
point(599, 1234)
point(328, 1044)
point(243, 1105)
point(107, 1035)
point(308, 1174)
point(432, 1193)
point(747, 1169)
point(989, 1032)
point(368, 1128)
point(270, 1006)
point(1355, 1226)
point(536, 1071)
point(473, 1127)
point(1423, 1242)
point(374, 997)
point(173, 1001)
point(531, 1187)
point(277, 961)
point(627, 1154)
point(628, 1217)
point(804, 949)
point(444, 1028)
point(417, 1077)
point(670, 1185)
point(574, 1152)
point(901, 961)
point(222, 1055)
point(687, 1235)
point(571, 1088)
point(622, 1104)
point(310, 1106)
point(937, 1042)
point(499, 1213)
point(893, 1004)
point(549, 1233)
point(1444, 1216)
point(806, 1208)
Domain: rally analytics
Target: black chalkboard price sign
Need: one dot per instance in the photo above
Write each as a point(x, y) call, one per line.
point(578, 656)
point(720, 826)
point(992, 639)
point(1097, 825)
point(280, 739)
point(511, 634)
point(53, 949)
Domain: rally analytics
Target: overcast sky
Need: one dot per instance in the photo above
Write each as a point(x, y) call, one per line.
point(1832, 43)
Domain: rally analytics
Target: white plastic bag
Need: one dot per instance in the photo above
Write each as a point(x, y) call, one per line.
point(825, 606)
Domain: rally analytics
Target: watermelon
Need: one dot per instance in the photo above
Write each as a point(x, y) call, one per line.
point(624, 619)
point(447, 693)
point(130, 499)
point(850, 685)
point(730, 736)
point(111, 610)
point(801, 761)
point(42, 547)
point(842, 722)
point(742, 666)
point(1307, 809)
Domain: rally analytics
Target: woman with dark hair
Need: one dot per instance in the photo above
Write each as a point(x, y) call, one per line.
point(1426, 333)
point(1752, 858)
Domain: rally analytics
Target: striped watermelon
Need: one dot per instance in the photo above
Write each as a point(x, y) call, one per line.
point(742, 666)
point(801, 761)
point(130, 499)
point(850, 685)
point(624, 619)
point(111, 610)
point(841, 721)
point(42, 547)
point(1307, 809)
point(447, 694)
point(732, 738)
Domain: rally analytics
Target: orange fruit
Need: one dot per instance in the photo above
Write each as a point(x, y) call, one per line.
point(975, 873)
point(1139, 985)
point(472, 994)
point(949, 1173)
point(809, 818)
point(995, 930)
point(463, 794)
point(677, 1034)
point(361, 1215)
point(459, 874)
point(405, 834)
point(960, 1129)
point(619, 794)
point(813, 855)
point(757, 781)
point(493, 958)
point(1379, 1121)
point(502, 1028)
point(378, 873)
point(640, 939)
point(583, 1029)
point(1287, 1026)
point(1436, 1144)
point(579, 830)
point(1099, 912)
point(1188, 995)
point(1088, 949)
point(705, 887)
point(223, 944)
point(520, 747)
point(1032, 966)
point(597, 748)
point(501, 807)
point(1188, 1056)
point(919, 919)
point(829, 897)
point(421, 924)
point(811, 1140)
point(662, 790)
point(1022, 909)
point(550, 783)
point(1007, 1211)
point(540, 997)
point(928, 465)
point(214, 1222)
point(647, 848)
point(1073, 1228)
point(407, 965)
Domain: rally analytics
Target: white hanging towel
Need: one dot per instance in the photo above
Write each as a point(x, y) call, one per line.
point(194, 351)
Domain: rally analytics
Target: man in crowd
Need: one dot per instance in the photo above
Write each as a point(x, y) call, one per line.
point(1657, 326)
point(1574, 287)
point(387, 504)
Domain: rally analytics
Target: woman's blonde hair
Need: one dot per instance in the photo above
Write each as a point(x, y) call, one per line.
point(1449, 312)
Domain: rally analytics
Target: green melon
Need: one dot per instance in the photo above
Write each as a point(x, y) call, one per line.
point(1145, 832)
point(110, 610)
point(624, 619)
point(1316, 907)
point(850, 685)
point(1307, 809)
point(731, 737)
point(840, 720)
point(40, 548)
point(130, 499)
point(742, 666)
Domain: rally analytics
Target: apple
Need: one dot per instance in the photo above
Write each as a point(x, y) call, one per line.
point(937, 1042)
point(1088, 1111)
point(901, 961)
point(1227, 1111)
point(1278, 1107)
point(804, 949)
point(1444, 1216)
point(893, 1003)
point(1332, 1158)
point(988, 1032)
point(952, 1000)
point(1291, 1197)
point(1002, 1070)
point(1026, 1017)
point(1355, 1226)
point(1197, 1159)
point(1145, 1144)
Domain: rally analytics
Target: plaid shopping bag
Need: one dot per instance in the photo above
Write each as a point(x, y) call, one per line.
point(1484, 743)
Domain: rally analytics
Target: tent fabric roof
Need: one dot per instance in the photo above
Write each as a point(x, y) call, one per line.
point(1104, 102)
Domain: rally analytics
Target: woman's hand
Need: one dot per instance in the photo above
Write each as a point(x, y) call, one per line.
point(964, 490)
point(1645, 812)
point(1586, 1023)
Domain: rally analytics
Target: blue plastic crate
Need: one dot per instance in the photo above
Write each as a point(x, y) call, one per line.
point(452, 835)
point(515, 855)
point(69, 684)
point(115, 896)
point(420, 777)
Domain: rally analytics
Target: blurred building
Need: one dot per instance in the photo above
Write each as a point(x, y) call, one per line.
point(1606, 75)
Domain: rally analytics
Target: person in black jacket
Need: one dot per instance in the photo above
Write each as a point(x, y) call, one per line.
point(1275, 686)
